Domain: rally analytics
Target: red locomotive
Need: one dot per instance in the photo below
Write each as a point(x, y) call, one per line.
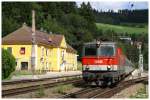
point(104, 63)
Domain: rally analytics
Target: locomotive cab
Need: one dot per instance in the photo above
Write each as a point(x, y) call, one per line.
point(99, 58)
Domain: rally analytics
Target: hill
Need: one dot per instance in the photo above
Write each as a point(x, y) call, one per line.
point(122, 29)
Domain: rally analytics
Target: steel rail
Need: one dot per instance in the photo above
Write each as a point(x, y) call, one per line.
point(16, 91)
point(104, 92)
point(125, 84)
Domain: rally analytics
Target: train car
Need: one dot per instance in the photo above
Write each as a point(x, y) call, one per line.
point(104, 63)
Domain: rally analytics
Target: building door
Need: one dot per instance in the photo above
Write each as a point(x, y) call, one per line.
point(24, 65)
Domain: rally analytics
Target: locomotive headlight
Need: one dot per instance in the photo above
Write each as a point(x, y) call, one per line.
point(108, 67)
point(86, 68)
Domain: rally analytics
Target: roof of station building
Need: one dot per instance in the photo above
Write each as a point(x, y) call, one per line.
point(23, 35)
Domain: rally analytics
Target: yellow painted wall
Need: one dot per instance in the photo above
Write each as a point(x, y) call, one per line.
point(71, 61)
point(19, 57)
point(52, 58)
point(63, 43)
point(51, 62)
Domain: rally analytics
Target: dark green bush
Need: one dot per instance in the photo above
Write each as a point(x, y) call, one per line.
point(8, 64)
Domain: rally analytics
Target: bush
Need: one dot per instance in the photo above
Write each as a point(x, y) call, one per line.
point(8, 64)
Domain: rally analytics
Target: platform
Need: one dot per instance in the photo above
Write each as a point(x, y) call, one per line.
point(47, 75)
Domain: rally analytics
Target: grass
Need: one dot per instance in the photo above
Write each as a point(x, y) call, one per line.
point(61, 89)
point(23, 72)
point(18, 73)
point(40, 93)
point(137, 25)
point(26, 72)
point(142, 93)
point(122, 29)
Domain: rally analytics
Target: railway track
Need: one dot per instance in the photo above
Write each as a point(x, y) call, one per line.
point(30, 88)
point(98, 92)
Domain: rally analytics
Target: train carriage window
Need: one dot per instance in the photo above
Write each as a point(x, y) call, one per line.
point(106, 51)
point(90, 50)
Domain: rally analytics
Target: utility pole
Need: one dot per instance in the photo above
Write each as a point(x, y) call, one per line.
point(140, 57)
point(33, 43)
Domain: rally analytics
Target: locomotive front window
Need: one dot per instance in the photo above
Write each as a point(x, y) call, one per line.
point(106, 51)
point(90, 51)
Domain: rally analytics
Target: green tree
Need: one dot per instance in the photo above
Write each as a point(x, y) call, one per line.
point(87, 12)
point(8, 63)
point(7, 26)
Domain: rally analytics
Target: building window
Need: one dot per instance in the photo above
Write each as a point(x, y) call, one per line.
point(46, 52)
point(42, 51)
point(24, 65)
point(22, 50)
point(9, 49)
point(62, 53)
point(50, 52)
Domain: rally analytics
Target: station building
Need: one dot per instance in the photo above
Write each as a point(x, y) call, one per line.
point(52, 53)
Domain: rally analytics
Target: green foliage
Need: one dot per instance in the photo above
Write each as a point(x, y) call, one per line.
point(8, 64)
point(87, 12)
point(7, 26)
point(51, 25)
point(122, 16)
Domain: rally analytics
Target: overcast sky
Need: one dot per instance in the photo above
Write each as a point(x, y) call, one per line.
point(105, 6)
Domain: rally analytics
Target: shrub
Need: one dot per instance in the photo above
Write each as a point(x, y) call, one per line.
point(8, 64)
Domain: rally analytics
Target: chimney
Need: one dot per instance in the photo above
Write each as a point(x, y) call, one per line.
point(24, 24)
point(49, 39)
point(33, 21)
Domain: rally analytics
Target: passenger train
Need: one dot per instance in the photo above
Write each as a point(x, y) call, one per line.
point(104, 63)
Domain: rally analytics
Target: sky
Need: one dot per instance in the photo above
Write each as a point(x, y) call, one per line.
point(105, 6)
